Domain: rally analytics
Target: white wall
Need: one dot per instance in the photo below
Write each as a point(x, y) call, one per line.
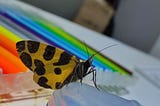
point(155, 51)
point(64, 8)
point(137, 23)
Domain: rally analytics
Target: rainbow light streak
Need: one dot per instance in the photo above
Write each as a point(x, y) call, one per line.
point(40, 31)
point(56, 36)
point(43, 32)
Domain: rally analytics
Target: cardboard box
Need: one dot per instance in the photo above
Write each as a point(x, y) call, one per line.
point(94, 14)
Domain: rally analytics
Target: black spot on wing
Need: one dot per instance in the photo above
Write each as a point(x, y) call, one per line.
point(40, 70)
point(20, 46)
point(49, 52)
point(57, 71)
point(43, 82)
point(64, 59)
point(58, 85)
point(26, 59)
point(38, 63)
point(33, 46)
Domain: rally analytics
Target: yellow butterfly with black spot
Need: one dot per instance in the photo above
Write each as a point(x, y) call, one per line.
point(52, 67)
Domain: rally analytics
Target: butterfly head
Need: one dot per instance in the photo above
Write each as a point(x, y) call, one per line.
point(83, 67)
point(88, 62)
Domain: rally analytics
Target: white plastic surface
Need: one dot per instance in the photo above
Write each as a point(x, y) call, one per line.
point(77, 94)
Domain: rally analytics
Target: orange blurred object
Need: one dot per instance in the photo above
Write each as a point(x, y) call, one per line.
point(8, 44)
point(10, 63)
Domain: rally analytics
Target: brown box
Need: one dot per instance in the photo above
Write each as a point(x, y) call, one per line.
point(94, 14)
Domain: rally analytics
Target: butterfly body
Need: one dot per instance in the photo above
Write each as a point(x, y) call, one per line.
point(52, 67)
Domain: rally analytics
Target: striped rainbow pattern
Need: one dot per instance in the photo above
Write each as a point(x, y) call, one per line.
point(54, 35)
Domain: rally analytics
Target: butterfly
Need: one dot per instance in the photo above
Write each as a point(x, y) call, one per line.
point(53, 67)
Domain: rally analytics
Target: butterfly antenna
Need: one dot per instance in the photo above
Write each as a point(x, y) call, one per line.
point(104, 49)
point(86, 48)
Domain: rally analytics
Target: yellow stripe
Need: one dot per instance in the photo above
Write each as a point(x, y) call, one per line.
point(9, 34)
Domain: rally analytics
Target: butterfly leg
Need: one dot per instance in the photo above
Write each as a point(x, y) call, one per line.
point(94, 78)
point(94, 73)
point(82, 72)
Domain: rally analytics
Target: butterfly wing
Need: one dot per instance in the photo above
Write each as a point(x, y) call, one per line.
point(54, 75)
point(51, 65)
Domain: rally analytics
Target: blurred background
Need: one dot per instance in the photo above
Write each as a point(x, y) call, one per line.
point(134, 22)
